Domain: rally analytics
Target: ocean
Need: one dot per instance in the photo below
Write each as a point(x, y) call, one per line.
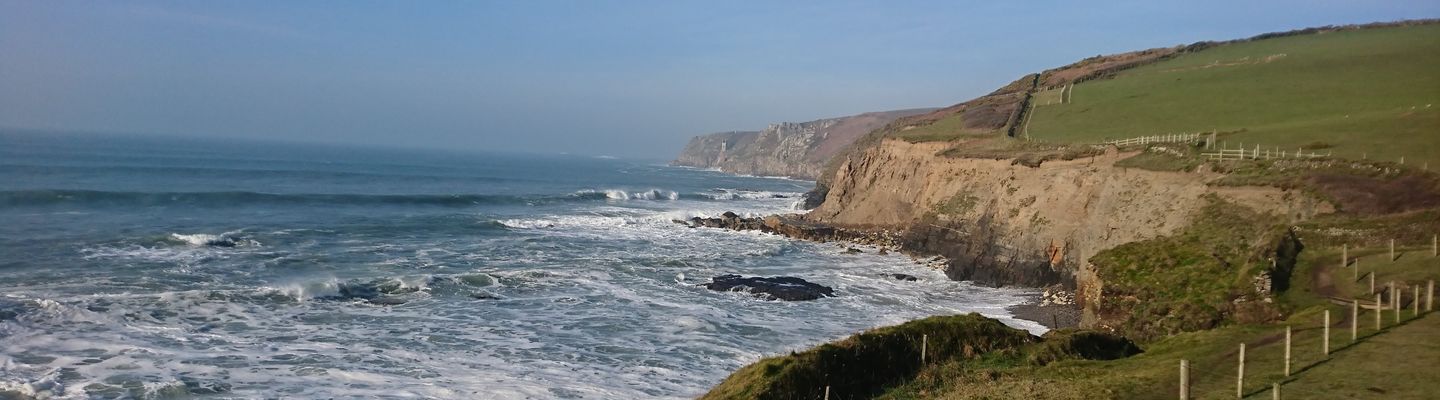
point(157, 267)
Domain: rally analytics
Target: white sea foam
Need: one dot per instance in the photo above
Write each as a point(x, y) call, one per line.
point(739, 194)
point(622, 194)
point(580, 302)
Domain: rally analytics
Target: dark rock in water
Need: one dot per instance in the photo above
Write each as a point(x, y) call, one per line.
point(772, 288)
point(730, 215)
point(378, 291)
point(484, 296)
point(853, 250)
point(222, 242)
point(883, 251)
point(387, 301)
point(905, 277)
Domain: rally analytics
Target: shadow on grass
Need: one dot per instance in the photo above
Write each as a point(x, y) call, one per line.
point(1296, 375)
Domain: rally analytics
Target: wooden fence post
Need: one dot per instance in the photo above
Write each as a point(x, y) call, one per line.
point(1372, 280)
point(1392, 250)
point(924, 343)
point(1416, 301)
point(1325, 346)
point(1430, 296)
point(1378, 308)
point(1354, 320)
point(1240, 375)
point(1184, 380)
point(1287, 350)
point(1275, 391)
point(1435, 245)
point(827, 392)
point(1395, 299)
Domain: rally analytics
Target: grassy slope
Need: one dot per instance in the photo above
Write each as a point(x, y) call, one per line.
point(1351, 372)
point(1353, 90)
point(1189, 281)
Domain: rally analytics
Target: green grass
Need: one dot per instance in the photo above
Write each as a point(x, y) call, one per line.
point(1397, 365)
point(859, 366)
point(1352, 90)
point(1352, 368)
point(943, 130)
point(1046, 97)
point(1191, 281)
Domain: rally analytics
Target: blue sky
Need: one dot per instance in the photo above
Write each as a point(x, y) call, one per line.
point(628, 78)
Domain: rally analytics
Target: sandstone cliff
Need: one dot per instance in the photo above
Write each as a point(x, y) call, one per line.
point(1004, 223)
point(798, 150)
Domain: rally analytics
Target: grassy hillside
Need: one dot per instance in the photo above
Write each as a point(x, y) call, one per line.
point(1234, 276)
point(971, 357)
point(1370, 92)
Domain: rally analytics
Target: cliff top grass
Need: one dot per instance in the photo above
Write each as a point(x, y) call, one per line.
point(943, 130)
point(870, 363)
point(1030, 154)
point(1371, 93)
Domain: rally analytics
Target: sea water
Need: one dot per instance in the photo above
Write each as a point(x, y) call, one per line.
point(166, 267)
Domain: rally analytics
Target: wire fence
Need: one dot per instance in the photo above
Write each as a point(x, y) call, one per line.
point(1389, 309)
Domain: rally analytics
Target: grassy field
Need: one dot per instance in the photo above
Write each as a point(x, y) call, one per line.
point(1368, 93)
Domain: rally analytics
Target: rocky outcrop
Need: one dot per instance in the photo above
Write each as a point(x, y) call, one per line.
point(796, 227)
point(771, 288)
point(999, 223)
point(798, 150)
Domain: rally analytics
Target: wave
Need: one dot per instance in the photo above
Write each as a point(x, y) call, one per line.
point(742, 194)
point(227, 239)
point(19, 198)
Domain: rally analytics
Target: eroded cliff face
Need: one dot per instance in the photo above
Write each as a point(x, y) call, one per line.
point(798, 150)
point(1005, 224)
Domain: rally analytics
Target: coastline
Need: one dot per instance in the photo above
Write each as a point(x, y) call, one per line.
point(1037, 307)
point(1049, 315)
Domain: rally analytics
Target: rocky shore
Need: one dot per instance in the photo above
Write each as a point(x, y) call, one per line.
point(1041, 309)
point(1054, 307)
point(796, 227)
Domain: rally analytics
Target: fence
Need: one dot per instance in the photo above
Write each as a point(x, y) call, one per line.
point(1382, 307)
point(1169, 138)
point(1258, 153)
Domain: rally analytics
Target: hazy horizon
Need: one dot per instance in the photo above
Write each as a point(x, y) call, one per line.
point(634, 79)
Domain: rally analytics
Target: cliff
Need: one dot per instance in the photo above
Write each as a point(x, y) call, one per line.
point(1014, 189)
point(798, 150)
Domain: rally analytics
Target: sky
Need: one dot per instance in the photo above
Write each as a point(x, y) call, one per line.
point(627, 78)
